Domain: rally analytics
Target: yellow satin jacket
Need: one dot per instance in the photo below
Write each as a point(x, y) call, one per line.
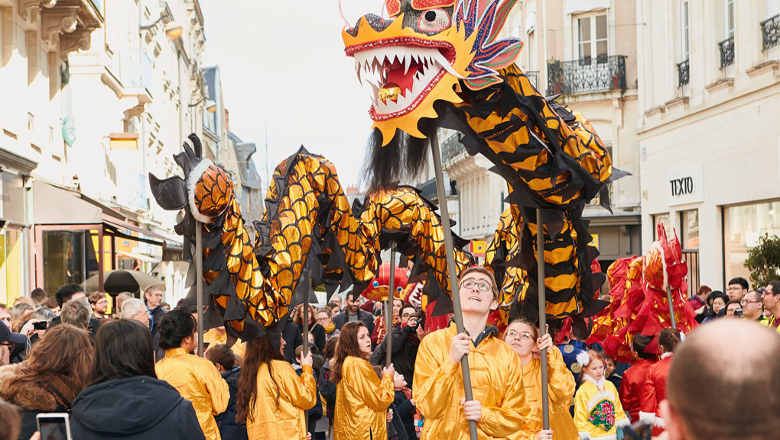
point(212, 337)
point(198, 381)
point(497, 383)
point(296, 394)
point(561, 389)
point(361, 402)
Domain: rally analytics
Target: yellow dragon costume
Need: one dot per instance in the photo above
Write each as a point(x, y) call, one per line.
point(440, 63)
point(308, 222)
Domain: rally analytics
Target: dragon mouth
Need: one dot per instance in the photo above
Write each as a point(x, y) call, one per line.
point(401, 73)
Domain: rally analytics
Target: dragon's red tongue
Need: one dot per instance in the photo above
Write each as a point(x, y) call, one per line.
point(395, 75)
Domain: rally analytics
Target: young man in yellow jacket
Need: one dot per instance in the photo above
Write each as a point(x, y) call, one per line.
point(499, 406)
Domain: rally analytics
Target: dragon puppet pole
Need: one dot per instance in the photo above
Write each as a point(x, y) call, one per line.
point(671, 306)
point(389, 308)
point(542, 313)
point(199, 278)
point(305, 312)
point(451, 268)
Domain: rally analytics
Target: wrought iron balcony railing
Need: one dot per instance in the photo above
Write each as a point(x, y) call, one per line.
point(726, 52)
point(770, 31)
point(586, 75)
point(683, 73)
point(533, 77)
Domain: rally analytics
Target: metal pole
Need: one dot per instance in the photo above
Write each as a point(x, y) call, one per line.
point(671, 306)
point(445, 225)
point(305, 313)
point(542, 314)
point(389, 307)
point(199, 281)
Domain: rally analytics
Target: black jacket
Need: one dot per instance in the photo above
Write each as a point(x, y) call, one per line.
point(367, 318)
point(292, 337)
point(137, 407)
point(327, 389)
point(405, 345)
point(318, 332)
point(229, 429)
point(406, 412)
point(157, 314)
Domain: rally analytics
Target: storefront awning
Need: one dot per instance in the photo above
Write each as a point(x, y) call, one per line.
point(58, 206)
point(144, 258)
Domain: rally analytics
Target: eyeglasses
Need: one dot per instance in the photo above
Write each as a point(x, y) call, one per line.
point(514, 335)
point(747, 301)
point(482, 285)
point(732, 288)
point(325, 319)
point(406, 315)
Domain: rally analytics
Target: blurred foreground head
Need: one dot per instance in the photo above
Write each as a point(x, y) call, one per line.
point(724, 384)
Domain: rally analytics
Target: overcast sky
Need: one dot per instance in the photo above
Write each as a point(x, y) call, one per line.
point(282, 63)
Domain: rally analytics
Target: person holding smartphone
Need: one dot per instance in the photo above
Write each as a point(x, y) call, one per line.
point(126, 400)
point(197, 379)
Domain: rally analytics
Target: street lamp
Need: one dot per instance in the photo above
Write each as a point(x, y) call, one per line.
point(173, 30)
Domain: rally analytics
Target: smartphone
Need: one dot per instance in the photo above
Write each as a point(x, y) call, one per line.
point(41, 325)
point(54, 426)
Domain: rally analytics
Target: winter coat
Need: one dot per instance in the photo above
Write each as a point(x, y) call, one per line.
point(139, 407)
point(405, 345)
point(327, 389)
point(55, 395)
point(292, 337)
point(229, 429)
point(366, 317)
point(318, 332)
point(405, 410)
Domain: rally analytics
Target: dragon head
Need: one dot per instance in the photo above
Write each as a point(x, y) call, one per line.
point(424, 52)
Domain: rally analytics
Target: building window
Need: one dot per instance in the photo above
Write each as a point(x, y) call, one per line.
point(592, 38)
point(664, 219)
point(770, 28)
point(689, 223)
point(743, 225)
point(728, 17)
point(685, 35)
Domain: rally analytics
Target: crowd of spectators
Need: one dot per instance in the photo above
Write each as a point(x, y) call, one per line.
point(75, 356)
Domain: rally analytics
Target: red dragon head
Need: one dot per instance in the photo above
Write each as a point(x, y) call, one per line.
point(424, 52)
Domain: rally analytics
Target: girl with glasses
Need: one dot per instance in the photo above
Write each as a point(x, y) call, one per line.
point(524, 339)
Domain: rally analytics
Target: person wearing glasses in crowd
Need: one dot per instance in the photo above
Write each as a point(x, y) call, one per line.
point(737, 288)
point(136, 310)
point(733, 309)
point(499, 405)
point(315, 329)
point(325, 319)
point(524, 339)
point(753, 307)
point(772, 304)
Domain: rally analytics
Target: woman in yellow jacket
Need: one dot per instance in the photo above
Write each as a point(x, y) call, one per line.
point(271, 397)
point(524, 339)
point(196, 378)
point(361, 398)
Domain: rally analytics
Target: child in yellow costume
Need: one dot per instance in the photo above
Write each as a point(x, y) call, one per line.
point(598, 412)
point(524, 339)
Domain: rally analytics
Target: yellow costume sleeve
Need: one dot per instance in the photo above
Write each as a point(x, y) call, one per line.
point(433, 379)
point(581, 413)
point(302, 391)
point(217, 389)
point(508, 418)
point(561, 381)
point(376, 394)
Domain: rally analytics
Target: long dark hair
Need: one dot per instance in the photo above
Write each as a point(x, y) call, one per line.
point(259, 351)
point(347, 346)
point(65, 353)
point(123, 348)
point(174, 326)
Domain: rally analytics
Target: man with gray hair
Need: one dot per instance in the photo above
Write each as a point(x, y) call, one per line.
point(729, 369)
point(135, 309)
point(76, 312)
point(153, 296)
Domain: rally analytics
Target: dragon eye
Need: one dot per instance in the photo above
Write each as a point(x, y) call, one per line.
point(433, 20)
